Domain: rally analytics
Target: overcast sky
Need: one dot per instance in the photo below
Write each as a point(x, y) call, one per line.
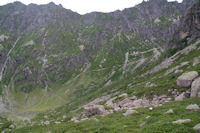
point(86, 6)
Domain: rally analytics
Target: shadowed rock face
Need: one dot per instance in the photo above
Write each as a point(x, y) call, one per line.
point(189, 27)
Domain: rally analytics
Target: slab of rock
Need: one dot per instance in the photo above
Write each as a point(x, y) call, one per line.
point(129, 112)
point(195, 89)
point(194, 107)
point(181, 121)
point(197, 128)
point(169, 112)
point(180, 97)
point(185, 80)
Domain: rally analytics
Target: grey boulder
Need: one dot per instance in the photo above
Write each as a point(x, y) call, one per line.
point(185, 80)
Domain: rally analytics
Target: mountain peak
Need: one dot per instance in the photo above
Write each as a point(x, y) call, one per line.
point(52, 4)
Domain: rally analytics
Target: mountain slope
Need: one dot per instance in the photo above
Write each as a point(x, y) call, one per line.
point(55, 61)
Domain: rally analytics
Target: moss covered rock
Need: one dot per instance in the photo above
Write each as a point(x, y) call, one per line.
point(185, 80)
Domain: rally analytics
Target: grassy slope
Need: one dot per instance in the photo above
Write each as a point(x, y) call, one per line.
point(157, 122)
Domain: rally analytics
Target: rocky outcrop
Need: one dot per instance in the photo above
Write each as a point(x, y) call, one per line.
point(195, 89)
point(185, 80)
point(133, 102)
point(188, 29)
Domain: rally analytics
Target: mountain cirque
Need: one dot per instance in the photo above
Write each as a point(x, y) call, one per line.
point(134, 70)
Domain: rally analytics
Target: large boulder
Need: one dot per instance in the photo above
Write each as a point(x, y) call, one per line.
point(185, 80)
point(195, 89)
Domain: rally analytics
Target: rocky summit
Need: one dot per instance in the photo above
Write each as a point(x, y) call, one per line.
point(135, 70)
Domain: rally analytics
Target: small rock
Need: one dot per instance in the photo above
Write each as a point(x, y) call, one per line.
point(74, 119)
point(169, 112)
point(197, 128)
point(11, 126)
point(133, 98)
point(148, 117)
point(195, 89)
point(193, 107)
point(84, 119)
point(129, 112)
point(149, 84)
point(185, 80)
point(46, 123)
point(64, 116)
point(143, 124)
point(180, 97)
point(181, 121)
point(46, 117)
point(125, 126)
point(57, 122)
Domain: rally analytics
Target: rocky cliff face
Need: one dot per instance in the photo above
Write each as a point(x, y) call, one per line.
point(188, 29)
